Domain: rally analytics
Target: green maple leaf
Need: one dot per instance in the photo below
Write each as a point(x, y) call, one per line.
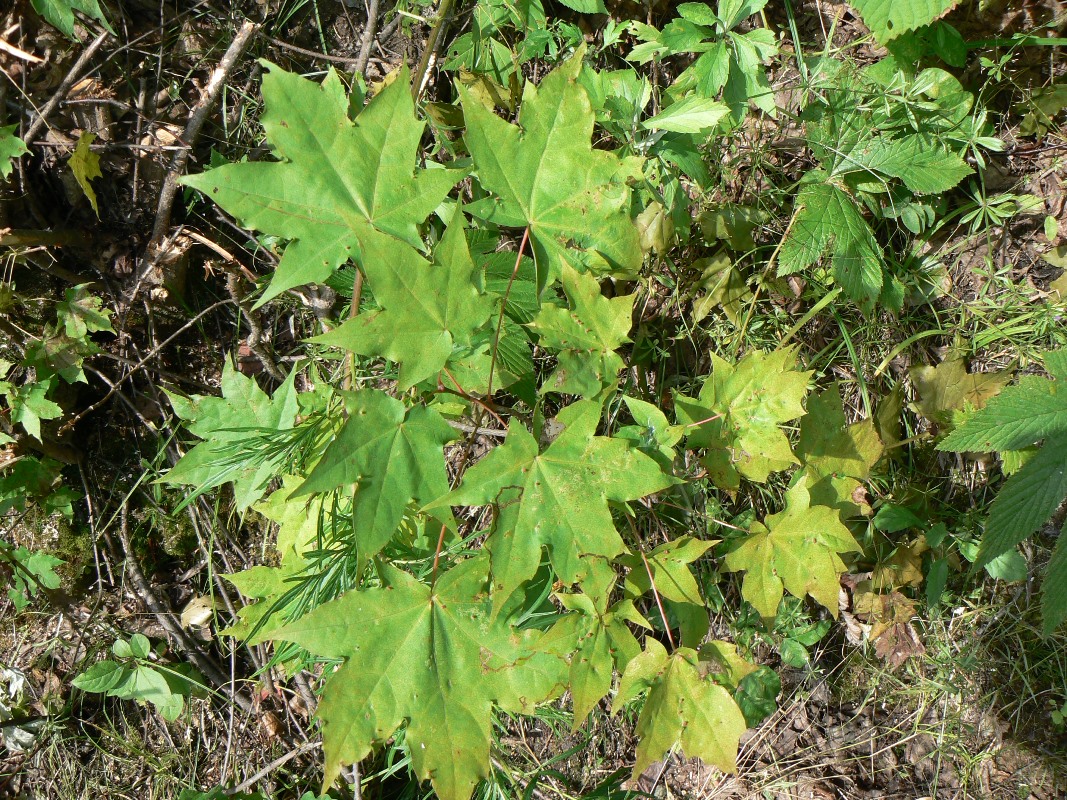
point(428, 310)
point(888, 19)
point(1033, 410)
point(338, 183)
point(684, 707)
point(558, 498)
point(429, 657)
point(393, 455)
point(669, 565)
point(827, 219)
point(546, 175)
point(223, 422)
point(796, 550)
point(81, 313)
point(595, 637)
point(738, 413)
point(11, 147)
point(586, 336)
point(828, 445)
point(29, 404)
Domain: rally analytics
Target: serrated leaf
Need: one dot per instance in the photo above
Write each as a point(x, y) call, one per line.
point(796, 551)
point(431, 658)
point(29, 405)
point(586, 6)
point(829, 446)
point(85, 164)
point(81, 313)
point(393, 455)
point(684, 707)
point(827, 219)
point(1054, 588)
point(223, 422)
point(337, 183)
point(737, 415)
point(888, 19)
point(576, 203)
point(11, 147)
point(428, 310)
point(60, 13)
point(586, 336)
point(923, 165)
point(1019, 416)
point(557, 498)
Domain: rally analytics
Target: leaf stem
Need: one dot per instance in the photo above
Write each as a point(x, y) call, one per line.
point(659, 602)
point(503, 305)
point(353, 312)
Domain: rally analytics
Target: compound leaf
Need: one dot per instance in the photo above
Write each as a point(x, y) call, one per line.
point(797, 550)
point(685, 707)
point(338, 183)
point(1019, 416)
point(738, 412)
point(586, 336)
point(546, 175)
point(558, 498)
point(431, 658)
point(393, 455)
point(428, 310)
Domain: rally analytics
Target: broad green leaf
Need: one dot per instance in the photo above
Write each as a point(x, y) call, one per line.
point(428, 310)
point(29, 405)
point(1054, 588)
point(684, 707)
point(81, 313)
point(60, 13)
point(586, 336)
point(557, 498)
point(1019, 416)
point(224, 424)
point(431, 658)
point(394, 456)
point(923, 165)
point(888, 19)
point(11, 147)
point(829, 446)
point(949, 387)
point(797, 551)
point(669, 565)
point(85, 164)
point(586, 6)
point(547, 176)
point(827, 219)
point(100, 677)
point(337, 183)
point(691, 115)
point(737, 415)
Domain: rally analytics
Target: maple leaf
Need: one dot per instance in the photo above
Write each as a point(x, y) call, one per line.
point(546, 175)
point(949, 387)
point(431, 658)
point(558, 498)
point(684, 707)
point(586, 336)
point(1032, 410)
point(428, 310)
point(829, 446)
point(796, 550)
point(338, 184)
point(669, 565)
point(738, 412)
point(595, 637)
point(393, 455)
point(223, 422)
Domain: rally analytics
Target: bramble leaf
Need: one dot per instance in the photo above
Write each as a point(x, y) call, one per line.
point(796, 550)
point(428, 310)
point(546, 175)
point(223, 422)
point(431, 658)
point(685, 707)
point(558, 498)
point(338, 183)
point(392, 455)
point(888, 19)
point(738, 412)
point(586, 336)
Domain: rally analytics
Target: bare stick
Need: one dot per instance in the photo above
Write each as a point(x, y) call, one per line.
point(367, 41)
point(64, 87)
point(189, 136)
